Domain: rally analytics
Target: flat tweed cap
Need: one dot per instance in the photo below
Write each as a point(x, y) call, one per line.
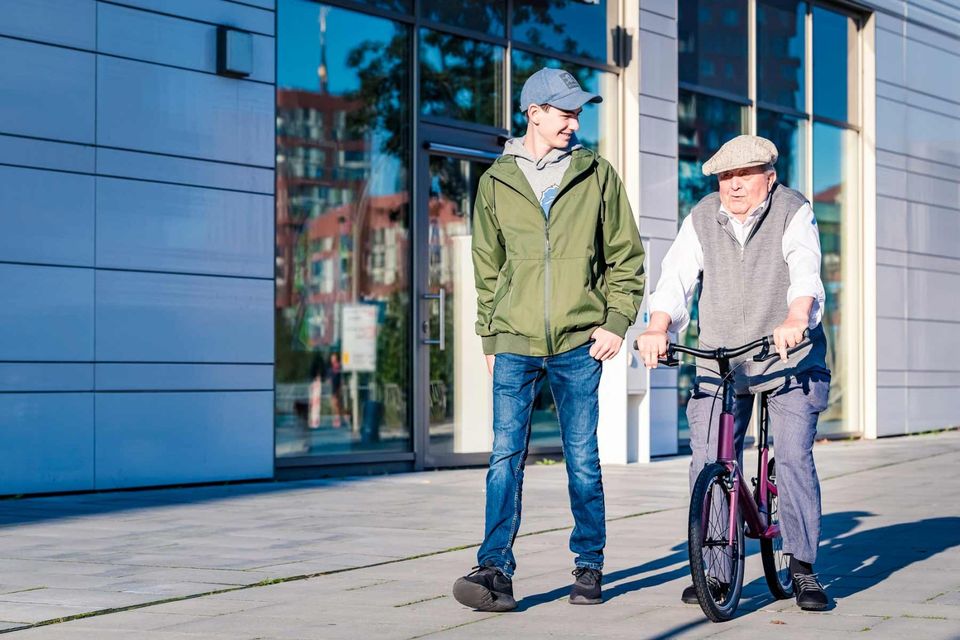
point(741, 152)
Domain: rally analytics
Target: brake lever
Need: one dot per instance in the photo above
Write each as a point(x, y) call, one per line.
point(765, 354)
point(671, 359)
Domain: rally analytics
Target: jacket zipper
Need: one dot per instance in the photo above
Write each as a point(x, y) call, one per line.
point(546, 285)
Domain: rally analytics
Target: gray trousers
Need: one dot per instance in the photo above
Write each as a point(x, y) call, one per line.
point(794, 409)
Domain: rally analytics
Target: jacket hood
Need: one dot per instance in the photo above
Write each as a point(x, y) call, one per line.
point(514, 147)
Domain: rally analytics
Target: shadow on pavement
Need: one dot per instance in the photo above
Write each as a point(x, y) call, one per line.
point(848, 562)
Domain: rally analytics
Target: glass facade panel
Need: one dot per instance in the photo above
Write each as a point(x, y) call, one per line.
point(461, 79)
point(488, 16)
point(598, 122)
point(789, 134)
point(835, 202)
point(705, 123)
point(834, 65)
point(713, 44)
point(342, 215)
point(781, 53)
point(570, 27)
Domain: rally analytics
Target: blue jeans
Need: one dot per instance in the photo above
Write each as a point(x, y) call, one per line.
point(574, 377)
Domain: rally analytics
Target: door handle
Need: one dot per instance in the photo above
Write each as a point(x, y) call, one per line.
point(441, 341)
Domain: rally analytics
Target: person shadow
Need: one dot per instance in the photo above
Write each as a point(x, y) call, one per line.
point(848, 561)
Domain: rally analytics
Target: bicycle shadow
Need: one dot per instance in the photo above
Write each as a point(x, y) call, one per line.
point(849, 563)
point(842, 557)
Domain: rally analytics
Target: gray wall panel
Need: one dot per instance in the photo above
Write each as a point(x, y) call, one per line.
point(46, 217)
point(42, 154)
point(184, 377)
point(200, 173)
point(47, 313)
point(33, 376)
point(47, 442)
point(147, 317)
point(67, 22)
point(152, 37)
point(46, 91)
point(164, 438)
point(151, 226)
point(145, 107)
point(213, 11)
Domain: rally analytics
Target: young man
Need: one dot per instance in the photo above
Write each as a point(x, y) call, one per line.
point(559, 275)
point(755, 251)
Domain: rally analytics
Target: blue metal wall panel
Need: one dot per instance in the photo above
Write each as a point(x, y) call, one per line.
point(47, 442)
point(41, 154)
point(48, 91)
point(183, 377)
point(162, 227)
point(67, 22)
point(45, 376)
point(173, 41)
point(145, 107)
point(46, 217)
point(200, 173)
point(212, 11)
point(47, 313)
point(164, 438)
point(144, 317)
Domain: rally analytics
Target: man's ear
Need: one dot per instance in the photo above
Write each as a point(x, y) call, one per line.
point(771, 178)
point(533, 114)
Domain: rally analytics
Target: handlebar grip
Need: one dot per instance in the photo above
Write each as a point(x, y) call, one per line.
point(765, 353)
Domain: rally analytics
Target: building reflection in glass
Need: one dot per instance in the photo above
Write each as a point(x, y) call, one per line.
point(342, 239)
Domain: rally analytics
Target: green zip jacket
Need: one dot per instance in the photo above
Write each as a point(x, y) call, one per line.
point(544, 284)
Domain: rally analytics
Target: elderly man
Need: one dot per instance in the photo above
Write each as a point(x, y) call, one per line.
point(755, 251)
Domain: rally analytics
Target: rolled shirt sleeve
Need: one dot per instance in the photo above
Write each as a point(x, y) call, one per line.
point(801, 251)
point(679, 273)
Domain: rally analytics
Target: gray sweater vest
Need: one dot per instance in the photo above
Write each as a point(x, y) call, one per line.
point(743, 292)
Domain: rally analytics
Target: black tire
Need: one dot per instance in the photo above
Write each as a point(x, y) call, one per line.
point(776, 566)
point(708, 541)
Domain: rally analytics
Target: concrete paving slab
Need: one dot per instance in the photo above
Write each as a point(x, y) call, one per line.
point(889, 556)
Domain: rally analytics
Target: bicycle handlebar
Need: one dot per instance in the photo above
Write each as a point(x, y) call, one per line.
point(722, 353)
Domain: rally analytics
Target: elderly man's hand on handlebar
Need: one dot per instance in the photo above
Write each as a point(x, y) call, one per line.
point(651, 345)
point(788, 335)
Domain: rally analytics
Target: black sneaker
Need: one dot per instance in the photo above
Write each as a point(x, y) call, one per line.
point(717, 589)
point(586, 588)
point(809, 592)
point(485, 589)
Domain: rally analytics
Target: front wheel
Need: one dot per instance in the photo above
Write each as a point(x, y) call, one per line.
point(716, 565)
point(776, 566)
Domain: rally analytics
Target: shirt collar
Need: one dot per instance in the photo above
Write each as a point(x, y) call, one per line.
point(751, 216)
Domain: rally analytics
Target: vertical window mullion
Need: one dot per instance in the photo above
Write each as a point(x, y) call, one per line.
point(807, 187)
point(752, 66)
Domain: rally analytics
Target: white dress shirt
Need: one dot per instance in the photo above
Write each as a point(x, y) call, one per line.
point(683, 263)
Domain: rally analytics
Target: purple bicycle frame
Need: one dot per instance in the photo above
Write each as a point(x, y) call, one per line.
point(756, 517)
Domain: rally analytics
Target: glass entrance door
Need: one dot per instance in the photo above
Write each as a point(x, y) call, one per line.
point(457, 385)
point(455, 398)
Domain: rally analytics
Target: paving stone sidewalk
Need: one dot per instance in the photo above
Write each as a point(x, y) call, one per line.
point(375, 557)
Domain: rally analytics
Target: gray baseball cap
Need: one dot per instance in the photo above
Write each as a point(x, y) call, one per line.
point(555, 87)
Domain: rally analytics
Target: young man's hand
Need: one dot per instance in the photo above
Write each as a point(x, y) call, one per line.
point(606, 344)
point(490, 360)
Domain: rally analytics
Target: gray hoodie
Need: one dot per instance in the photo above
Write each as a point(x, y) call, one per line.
point(544, 175)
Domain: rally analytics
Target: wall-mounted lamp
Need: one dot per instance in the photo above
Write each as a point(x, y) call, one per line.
point(234, 52)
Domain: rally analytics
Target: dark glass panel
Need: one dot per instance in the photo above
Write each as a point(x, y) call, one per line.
point(780, 53)
point(488, 16)
point(788, 134)
point(572, 27)
point(713, 44)
point(342, 234)
point(461, 79)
